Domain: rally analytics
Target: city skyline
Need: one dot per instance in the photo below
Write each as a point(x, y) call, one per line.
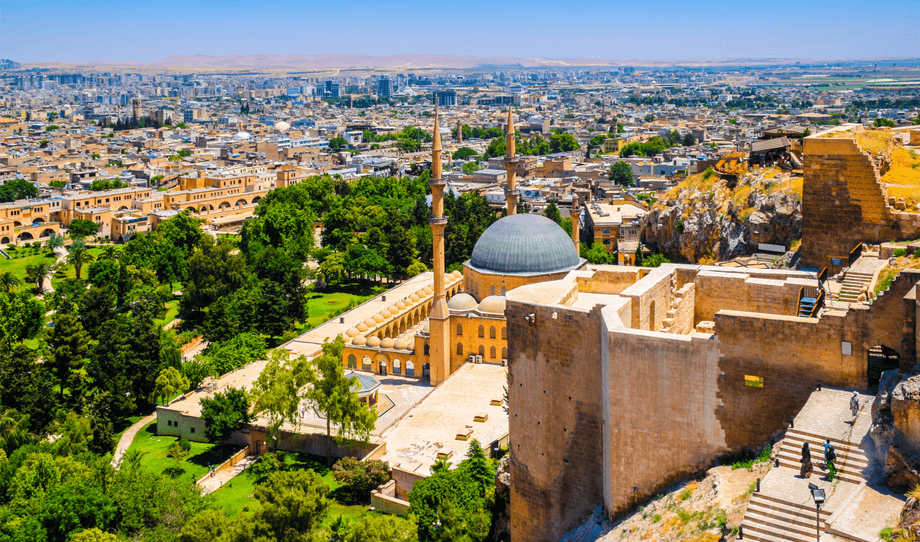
point(64, 31)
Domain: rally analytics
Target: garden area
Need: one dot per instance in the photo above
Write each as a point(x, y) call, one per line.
point(334, 300)
point(194, 463)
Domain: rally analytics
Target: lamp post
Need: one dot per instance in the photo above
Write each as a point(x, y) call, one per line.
point(818, 495)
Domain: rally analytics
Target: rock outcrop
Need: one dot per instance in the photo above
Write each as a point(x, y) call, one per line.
point(707, 218)
point(896, 428)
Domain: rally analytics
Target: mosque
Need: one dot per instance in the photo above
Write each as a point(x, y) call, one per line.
point(429, 334)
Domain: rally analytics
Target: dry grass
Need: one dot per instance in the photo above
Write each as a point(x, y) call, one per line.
point(875, 141)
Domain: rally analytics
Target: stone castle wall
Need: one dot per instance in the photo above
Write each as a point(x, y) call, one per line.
point(717, 290)
point(844, 204)
point(555, 425)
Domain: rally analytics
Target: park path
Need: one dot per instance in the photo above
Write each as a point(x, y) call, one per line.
point(128, 437)
point(213, 483)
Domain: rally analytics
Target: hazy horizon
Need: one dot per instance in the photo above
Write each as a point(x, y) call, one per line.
point(66, 31)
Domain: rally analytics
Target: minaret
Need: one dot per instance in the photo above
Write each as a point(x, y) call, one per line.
point(439, 317)
point(576, 226)
point(511, 192)
point(459, 132)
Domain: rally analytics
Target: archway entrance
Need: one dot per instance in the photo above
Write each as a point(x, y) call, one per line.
point(881, 359)
point(383, 369)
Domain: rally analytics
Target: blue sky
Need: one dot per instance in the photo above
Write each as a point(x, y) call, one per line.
point(68, 30)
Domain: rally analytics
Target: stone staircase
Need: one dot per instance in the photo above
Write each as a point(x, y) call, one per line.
point(806, 306)
point(783, 509)
point(854, 282)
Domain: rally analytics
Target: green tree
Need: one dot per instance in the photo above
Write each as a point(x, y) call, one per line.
point(293, 504)
point(78, 256)
point(82, 228)
point(596, 254)
point(359, 478)
point(883, 122)
point(93, 535)
point(224, 413)
point(689, 139)
point(334, 397)
point(9, 281)
point(69, 343)
point(552, 212)
point(17, 189)
point(655, 260)
point(275, 391)
point(75, 507)
point(384, 528)
point(337, 143)
point(169, 383)
point(38, 272)
point(55, 240)
point(463, 153)
point(563, 142)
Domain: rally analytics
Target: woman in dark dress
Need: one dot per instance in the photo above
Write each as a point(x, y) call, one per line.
point(806, 461)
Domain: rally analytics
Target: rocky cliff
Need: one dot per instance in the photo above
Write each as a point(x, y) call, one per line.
point(706, 218)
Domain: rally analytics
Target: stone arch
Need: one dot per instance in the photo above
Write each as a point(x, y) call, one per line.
point(381, 360)
point(482, 331)
point(397, 367)
point(211, 207)
point(504, 333)
point(240, 202)
point(410, 368)
point(256, 199)
point(123, 208)
point(5, 241)
point(47, 232)
point(482, 350)
point(459, 329)
point(224, 205)
point(492, 332)
point(352, 361)
point(17, 224)
point(504, 352)
point(427, 350)
point(38, 220)
point(382, 368)
point(366, 363)
point(459, 349)
point(491, 352)
point(25, 236)
point(426, 370)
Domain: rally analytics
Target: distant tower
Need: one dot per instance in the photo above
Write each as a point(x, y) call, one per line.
point(459, 132)
point(439, 317)
point(511, 192)
point(136, 108)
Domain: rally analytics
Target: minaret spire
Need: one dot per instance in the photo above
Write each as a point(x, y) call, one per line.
point(511, 192)
point(439, 317)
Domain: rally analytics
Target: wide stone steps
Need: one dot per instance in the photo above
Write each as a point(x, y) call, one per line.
point(851, 461)
point(853, 284)
point(770, 519)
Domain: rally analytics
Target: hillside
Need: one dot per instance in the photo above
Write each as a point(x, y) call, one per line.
point(705, 219)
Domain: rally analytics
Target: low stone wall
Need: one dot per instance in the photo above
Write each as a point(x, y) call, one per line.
point(384, 500)
point(226, 465)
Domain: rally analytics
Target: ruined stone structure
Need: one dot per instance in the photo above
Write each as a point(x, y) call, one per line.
point(624, 380)
point(844, 203)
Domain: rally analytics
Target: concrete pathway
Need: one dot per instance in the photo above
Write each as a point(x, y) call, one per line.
point(213, 483)
point(128, 437)
point(858, 504)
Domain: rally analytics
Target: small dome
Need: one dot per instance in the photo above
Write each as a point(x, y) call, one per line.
point(373, 341)
point(387, 343)
point(415, 298)
point(386, 314)
point(360, 340)
point(401, 306)
point(421, 293)
point(462, 302)
point(448, 278)
point(242, 136)
point(282, 126)
point(457, 273)
point(401, 344)
point(392, 310)
point(524, 244)
point(351, 332)
point(426, 328)
point(428, 291)
point(370, 323)
point(379, 318)
point(362, 327)
point(494, 304)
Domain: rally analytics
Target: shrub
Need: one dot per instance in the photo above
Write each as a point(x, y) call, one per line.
point(899, 252)
point(185, 444)
point(708, 172)
point(360, 477)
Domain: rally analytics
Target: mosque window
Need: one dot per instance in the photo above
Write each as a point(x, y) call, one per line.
point(482, 331)
point(491, 290)
point(504, 352)
point(459, 329)
point(482, 350)
point(352, 361)
point(492, 353)
point(459, 349)
point(503, 290)
point(504, 334)
point(427, 350)
point(492, 332)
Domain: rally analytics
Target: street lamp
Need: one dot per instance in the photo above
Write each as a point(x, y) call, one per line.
point(818, 495)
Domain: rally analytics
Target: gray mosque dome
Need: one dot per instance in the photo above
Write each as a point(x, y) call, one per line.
point(525, 244)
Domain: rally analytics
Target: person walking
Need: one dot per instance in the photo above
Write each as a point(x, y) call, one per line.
point(830, 456)
point(854, 406)
point(806, 461)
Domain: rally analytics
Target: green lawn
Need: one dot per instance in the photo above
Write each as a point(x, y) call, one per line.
point(332, 301)
point(172, 310)
point(236, 496)
point(23, 258)
point(195, 465)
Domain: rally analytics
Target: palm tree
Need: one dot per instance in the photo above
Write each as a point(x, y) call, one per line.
point(39, 272)
point(9, 281)
point(110, 253)
point(56, 240)
point(78, 256)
